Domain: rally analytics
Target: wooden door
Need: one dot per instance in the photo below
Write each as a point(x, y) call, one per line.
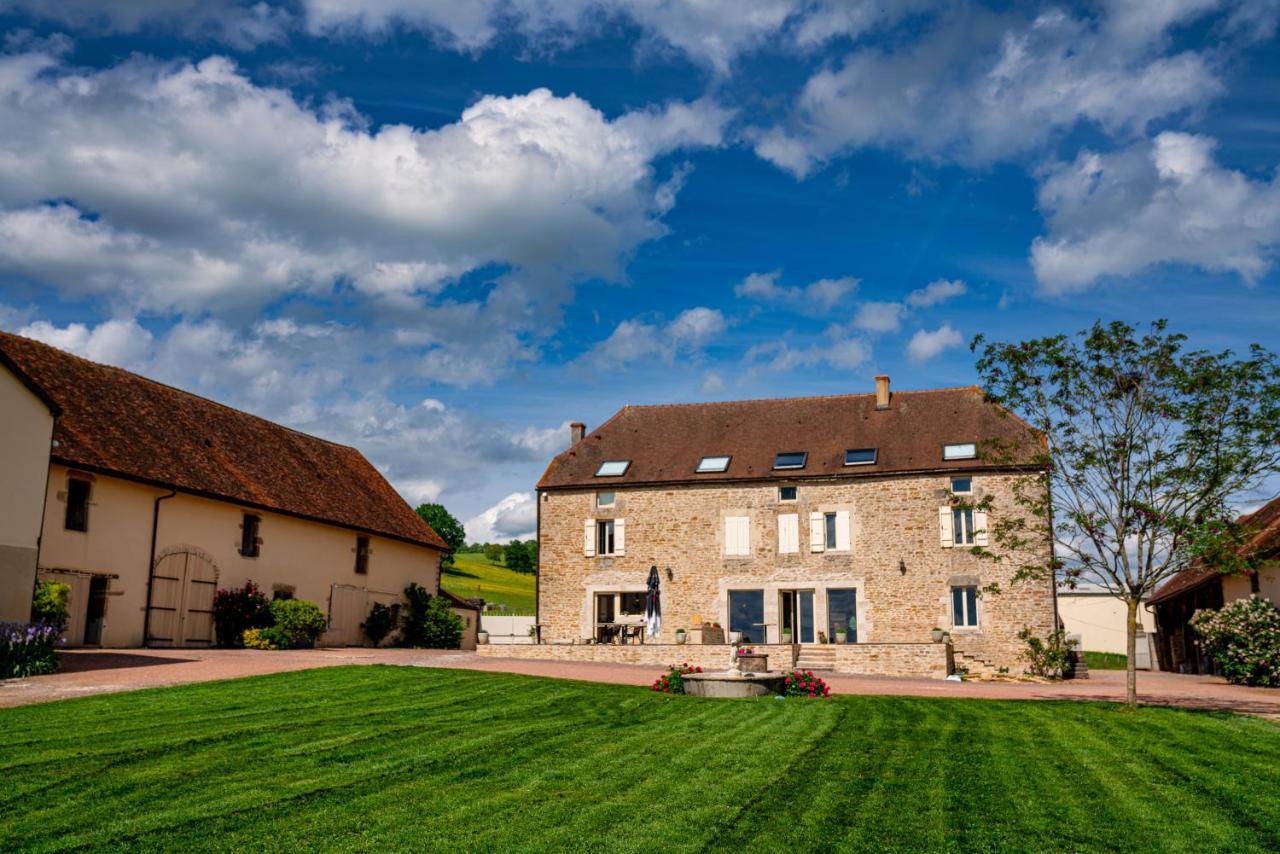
point(182, 588)
point(347, 609)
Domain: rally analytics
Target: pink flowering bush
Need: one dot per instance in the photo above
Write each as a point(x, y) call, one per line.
point(1243, 639)
point(672, 682)
point(802, 683)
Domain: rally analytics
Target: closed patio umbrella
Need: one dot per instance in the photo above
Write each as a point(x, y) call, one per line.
point(653, 604)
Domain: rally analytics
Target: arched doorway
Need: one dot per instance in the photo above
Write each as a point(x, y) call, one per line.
point(180, 610)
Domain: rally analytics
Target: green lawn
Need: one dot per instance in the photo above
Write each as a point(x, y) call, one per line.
point(1105, 660)
point(384, 758)
point(472, 575)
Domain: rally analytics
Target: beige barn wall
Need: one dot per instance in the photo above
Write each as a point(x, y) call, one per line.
point(894, 519)
point(1099, 619)
point(309, 556)
point(1241, 587)
point(26, 429)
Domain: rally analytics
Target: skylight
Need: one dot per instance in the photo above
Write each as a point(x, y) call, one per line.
point(860, 456)
point(713, 464)
point(965, 451)
point(790, 460)
point(613, 468)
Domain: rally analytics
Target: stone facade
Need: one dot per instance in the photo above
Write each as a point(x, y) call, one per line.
point(895, 560)
point(930, 660)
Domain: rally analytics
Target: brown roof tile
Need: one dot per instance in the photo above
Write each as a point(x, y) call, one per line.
point(1264, 541)
point(664, 443)
point(118, 422)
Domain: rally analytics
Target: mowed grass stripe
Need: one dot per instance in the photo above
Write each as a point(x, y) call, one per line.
point(357, 758)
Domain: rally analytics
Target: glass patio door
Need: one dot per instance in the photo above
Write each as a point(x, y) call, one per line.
point(795, 614)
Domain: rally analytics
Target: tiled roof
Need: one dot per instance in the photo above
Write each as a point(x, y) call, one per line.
point(665, 443)
point(1264, 541)
point(120, 423)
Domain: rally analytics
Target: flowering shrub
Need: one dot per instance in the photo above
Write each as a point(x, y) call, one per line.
point(238, 609)
point(672, 682)
point(49, 605)
point(258, 639)
point(1049, 658)
point(1243, 639)
point(746, 650)
point(298, 624)
point(27, 649)
point(802, 683)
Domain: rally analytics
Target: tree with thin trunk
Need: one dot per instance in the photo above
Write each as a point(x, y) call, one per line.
point(1146, 443)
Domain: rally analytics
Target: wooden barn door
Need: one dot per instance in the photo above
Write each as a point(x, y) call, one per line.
point(347, 609)
point(182, 588)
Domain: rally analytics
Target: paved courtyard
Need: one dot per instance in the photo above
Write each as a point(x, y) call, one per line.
point(88, 672)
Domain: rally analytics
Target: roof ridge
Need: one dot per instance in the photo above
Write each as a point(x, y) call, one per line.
point(155, 382)
point(974, 388)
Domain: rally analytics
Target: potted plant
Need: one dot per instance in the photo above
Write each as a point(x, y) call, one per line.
point(842, 635)
point(482, 637)
point(938, 634)
point(680, 635)
point(786, 635)
point(735, 637)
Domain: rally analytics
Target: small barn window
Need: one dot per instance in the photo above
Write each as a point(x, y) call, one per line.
point(77, 518)
point(362, 555)
point(249, 541)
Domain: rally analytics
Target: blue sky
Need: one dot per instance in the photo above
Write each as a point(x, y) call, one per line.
point(441, 231)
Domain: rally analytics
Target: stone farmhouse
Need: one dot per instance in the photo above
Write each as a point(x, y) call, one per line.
point(145, 499)
point(793, 521)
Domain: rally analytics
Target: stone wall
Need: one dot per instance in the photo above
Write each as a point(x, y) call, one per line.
point(880, 659)
point(896, 562)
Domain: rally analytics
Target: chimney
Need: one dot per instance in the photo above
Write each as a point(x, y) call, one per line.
point(577, 430)
point(882, 391)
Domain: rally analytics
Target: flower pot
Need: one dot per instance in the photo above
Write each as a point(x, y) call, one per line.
point(938, 634)
point(680, 637)
point(482, 637)
point(786, 637)
point(842, 637)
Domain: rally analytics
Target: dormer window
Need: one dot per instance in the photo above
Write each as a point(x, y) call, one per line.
point(964, 451)
point(613, 468)
point(707, 464)
point(860, 457)
point(790, 460)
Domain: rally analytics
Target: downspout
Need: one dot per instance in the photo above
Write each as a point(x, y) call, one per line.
point(44, 513)
point(151, 563)
point(537, 574)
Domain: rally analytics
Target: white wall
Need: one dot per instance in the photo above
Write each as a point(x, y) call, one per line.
point(1099, 619)
point(26, 430)
point(505, 629)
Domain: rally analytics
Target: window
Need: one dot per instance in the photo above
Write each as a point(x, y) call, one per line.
point(632, 604)
point(282, 591)
point(829, 522)
point(613, 468)
point(962, 485)
point(860, 457)
point(604, 499)
point(788, 533)
point(249, 535)
point(746, 614)
point(362, 555)
point(964, 606)
point(962, 526)
point(790, 460)
point(713, 464)
point(737, 535)
point(788, 493)
point(959, 452)
point(605, 540)
point(77, 518)
point(842, 613)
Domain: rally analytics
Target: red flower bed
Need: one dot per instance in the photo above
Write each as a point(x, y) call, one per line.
point(802, 683)
point(672, 682)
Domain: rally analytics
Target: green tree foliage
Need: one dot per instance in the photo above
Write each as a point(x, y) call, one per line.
point(522, 557)
point(1145, 442)
point(49, 605)
point(447, 526)
point(381, 621)
point(493, 552)
point(429, 622)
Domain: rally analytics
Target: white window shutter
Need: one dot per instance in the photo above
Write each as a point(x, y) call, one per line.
point(737, 535)
point(788, 533)
point(979, 527)
point(842, 530)
point(946, 536)
point(817, 533)
point(744, 535)
point(619, 537)
point(589, 538)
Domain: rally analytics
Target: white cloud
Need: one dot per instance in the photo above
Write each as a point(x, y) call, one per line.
point(923, 346)
point(1167, 201)
point(635, 340)
point(879, 316)
point(981, 86)
point(515, 517)
point(113, 342)
point(936, 292)
point(250, 194)
point(241, 24)
point(820, 295)
point(839, 350)
point(713, 384)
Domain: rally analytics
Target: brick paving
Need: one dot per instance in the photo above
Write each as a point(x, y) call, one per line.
point(87, 672)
